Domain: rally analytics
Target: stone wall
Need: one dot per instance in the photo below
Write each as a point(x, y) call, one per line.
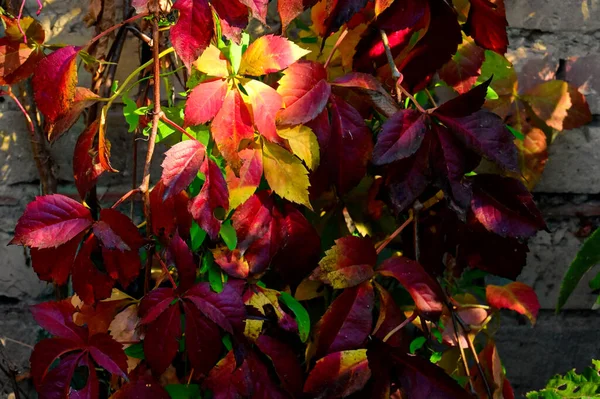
point(549, 38)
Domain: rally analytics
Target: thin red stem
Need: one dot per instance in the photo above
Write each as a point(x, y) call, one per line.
point(125, 197)
point(165, 269)
point(115, 27)
point(394, 234)
point(174, 125)
point(23, 110)
point(400, 326)
point(19, 21)
point(335, 46)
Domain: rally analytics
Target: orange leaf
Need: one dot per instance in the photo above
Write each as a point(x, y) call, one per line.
point(270, 54)
point(514, 296)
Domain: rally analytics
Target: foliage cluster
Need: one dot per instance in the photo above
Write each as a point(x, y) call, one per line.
point(274, 258)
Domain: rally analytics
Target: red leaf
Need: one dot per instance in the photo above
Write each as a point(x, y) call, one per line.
point(142, 388)
point(425, 291)
point(493, 372)
point(86, 167)
point(241, 188)
point(339, 374)
point(487, 24)
point(57, 319)
point(212, 196)
point(108, 353)
point(226, 309)
point(88, 282)
point(204, 102)
point(347, 322)
point(290, 9)
point(284, 361)
point(233, 17)
point(82, 99)
point(421, 379)
point(337, 13)
point(56, 382)
point(462, 71)
point(170, 215)
point(181, 165)
point(202, 340)
point(231, 126)
point(54, 82)
point(300, 246)
point(349, 148)
point(305, 92)
point(390, 316)
point(256, 223)
point(348, 263)
point(486, 134)
point(465, 104)
point(162, 339)
point(179, 253)
point(258, 8)
point(18, 60)
point(54, 264)
point(108, 238)
point(265, 102)
point(50, 221)
point(155, 303)
point(266, 301)
point(193, 31)
point(503, 205)
point(515, 296)
point(400, 136)
point(269, 54)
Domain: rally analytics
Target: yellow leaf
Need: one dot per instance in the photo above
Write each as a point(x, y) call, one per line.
point(304, 144)
point(285, 174)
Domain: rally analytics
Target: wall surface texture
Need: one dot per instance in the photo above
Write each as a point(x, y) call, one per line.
point(548, 39)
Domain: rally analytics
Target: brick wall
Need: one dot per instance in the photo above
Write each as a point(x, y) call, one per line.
point(549, 38)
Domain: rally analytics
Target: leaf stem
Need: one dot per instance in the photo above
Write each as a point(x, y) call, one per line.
point(396, 73)
point(335, 46)
point(125, 197)
point(474, 353)
point(10, 93)
point(462, 352)
point(430, 98)
point(115, 27)
point(166, 120)
point(394, 234)
point(400, 326)
point(165, 269)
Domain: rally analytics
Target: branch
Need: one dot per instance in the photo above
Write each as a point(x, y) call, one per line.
point(23, 110)
point(174, 125)
point(396, 73)
point(335, 47)
point(113, 28)
point(400, 326)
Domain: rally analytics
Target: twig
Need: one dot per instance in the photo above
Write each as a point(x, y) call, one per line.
point(335, 46)
point(125, 197)
point(15, 342)
point(145, 186)
point(400, 326)
point(475, 357)
point(462, 352)
point(181, 130)
point(10, 93)
point(396, 73)
point(115, 27)
point(430, 98)
point(165, 270)
point(417, 207)
point(10, 371)
point(394, 234)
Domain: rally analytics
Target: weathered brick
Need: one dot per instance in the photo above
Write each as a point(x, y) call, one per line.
point(554, 15)
point(574, 163)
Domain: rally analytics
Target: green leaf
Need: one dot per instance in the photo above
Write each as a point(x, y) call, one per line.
point(198, 235)
point(228, 235)
point(303, 143)
point(285, 174)
point(572, 385)
point(595, 282)
point(129, 111)
point(234, 52)
point(302, 317)
point(417, 344)
point(182, 391)
point(227, 342)
point(587, 257)
point(435, 357)
point(135, 351)
point(215, 276)
point(491, 94)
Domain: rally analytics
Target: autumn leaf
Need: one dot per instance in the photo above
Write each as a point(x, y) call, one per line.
point(265, 102)
point(304, 144)
point(86, 167)
point(424, 289)
point(54, 82)
point(241, 188)
point(212, 62)
point(288, 10)
point(339, 374)
point(181, 165)
point(83, 99)
point(50, 221)
point(205, 101)
point(212, 197)
point(193, 31)
point(462, 71)
point(487, 25)
point(348, 263)
point(400, 136)
point(269, 54)
point(286, 174)
point(515, 296)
